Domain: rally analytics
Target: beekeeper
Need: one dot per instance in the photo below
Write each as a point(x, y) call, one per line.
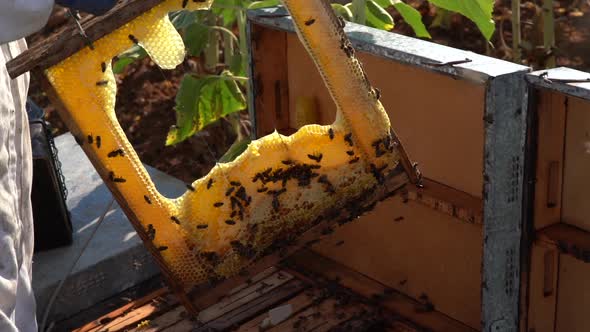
point(18, 19)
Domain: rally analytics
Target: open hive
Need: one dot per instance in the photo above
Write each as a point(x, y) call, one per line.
point(278, 189)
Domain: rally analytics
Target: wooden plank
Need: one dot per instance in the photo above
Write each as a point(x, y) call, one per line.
point(270, 85)
point(446, 138)
point(133, 313)
point(298, 303)
point(551, 114)
point(543, 276)
point(410, 309)
point(319, 317)
point(568, 239)
point(254, 307)
point(414, 249)
point(62, 44)
point(244, 296)
point(449, 201)
point(576, 177)
point(574, 296)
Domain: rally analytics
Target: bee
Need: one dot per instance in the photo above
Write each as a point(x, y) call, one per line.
point(233, 214)
point(116, 153)
point(276, 204)
point(350, 152)
point(310, 22)
point(339, 243)
point(176, 221)
point(162, 248)
point(317, 157)
point(261, 190)
point(202, 226)
point(102, 83)
point(98, 141)
point(327, 231)
point(134, 39)
point(377, 93)
point(90, 139)
point(230, 222)
point(341, 22)
point(331, 133)
point(235, 202)
point(147, 199)
point(210, 183)
point(218, 204)
point(229, 191)
point(235, 183)
point(116, 179)
point(398, 219)
point(354, 160)
point(348, 139)
point(287, 162)
point(151, 232)
point(190, 187)
point(241, 194)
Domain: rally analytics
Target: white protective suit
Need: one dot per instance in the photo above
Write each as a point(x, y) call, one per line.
point(18, 18)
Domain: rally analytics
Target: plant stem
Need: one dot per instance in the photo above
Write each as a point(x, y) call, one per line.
point(358, 11)
point(242, 21)
point(549, 33)
point(212, 50)
point(240, 79)
point(516, 31)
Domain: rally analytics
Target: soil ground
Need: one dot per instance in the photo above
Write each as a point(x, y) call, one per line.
point(145, 101)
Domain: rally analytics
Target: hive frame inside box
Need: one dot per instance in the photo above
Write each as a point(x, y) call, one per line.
point(504, 127)
point(558, 235)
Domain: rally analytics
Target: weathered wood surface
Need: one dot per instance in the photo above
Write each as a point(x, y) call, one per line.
point(65, 42)
point(313, 303)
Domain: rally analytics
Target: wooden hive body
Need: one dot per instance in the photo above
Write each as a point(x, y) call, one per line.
point(558, 218)
point(429, 243)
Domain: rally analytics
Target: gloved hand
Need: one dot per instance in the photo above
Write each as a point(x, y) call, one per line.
point(95, 7)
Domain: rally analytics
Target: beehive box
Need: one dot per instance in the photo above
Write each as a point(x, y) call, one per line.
point(558, 217)
point(454, 244)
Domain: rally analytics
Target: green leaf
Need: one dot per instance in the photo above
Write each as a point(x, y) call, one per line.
point(227, 10)
point(377, 17)
point(182, 19)
point(202, 101)
point(263, 4)
point(479, 11)
point(342, 11)
point(384, 3)
point(128, 57)
point(196, 38)
point(235, 150)
point(412, 17)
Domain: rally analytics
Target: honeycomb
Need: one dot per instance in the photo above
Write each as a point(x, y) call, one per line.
point(277, 188)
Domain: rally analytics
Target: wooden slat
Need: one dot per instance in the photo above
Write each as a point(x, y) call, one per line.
point(61, 45)
point(542, 305)
point(576, 177)
point(270, 85)
point(573, 299)
point(449, 201)
point(568, 239)
point(321, 317)
point(298, 303)
point(254, 307)
point(113, 317)
point(551, 114)
point(406, 307)
point(244, 296)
